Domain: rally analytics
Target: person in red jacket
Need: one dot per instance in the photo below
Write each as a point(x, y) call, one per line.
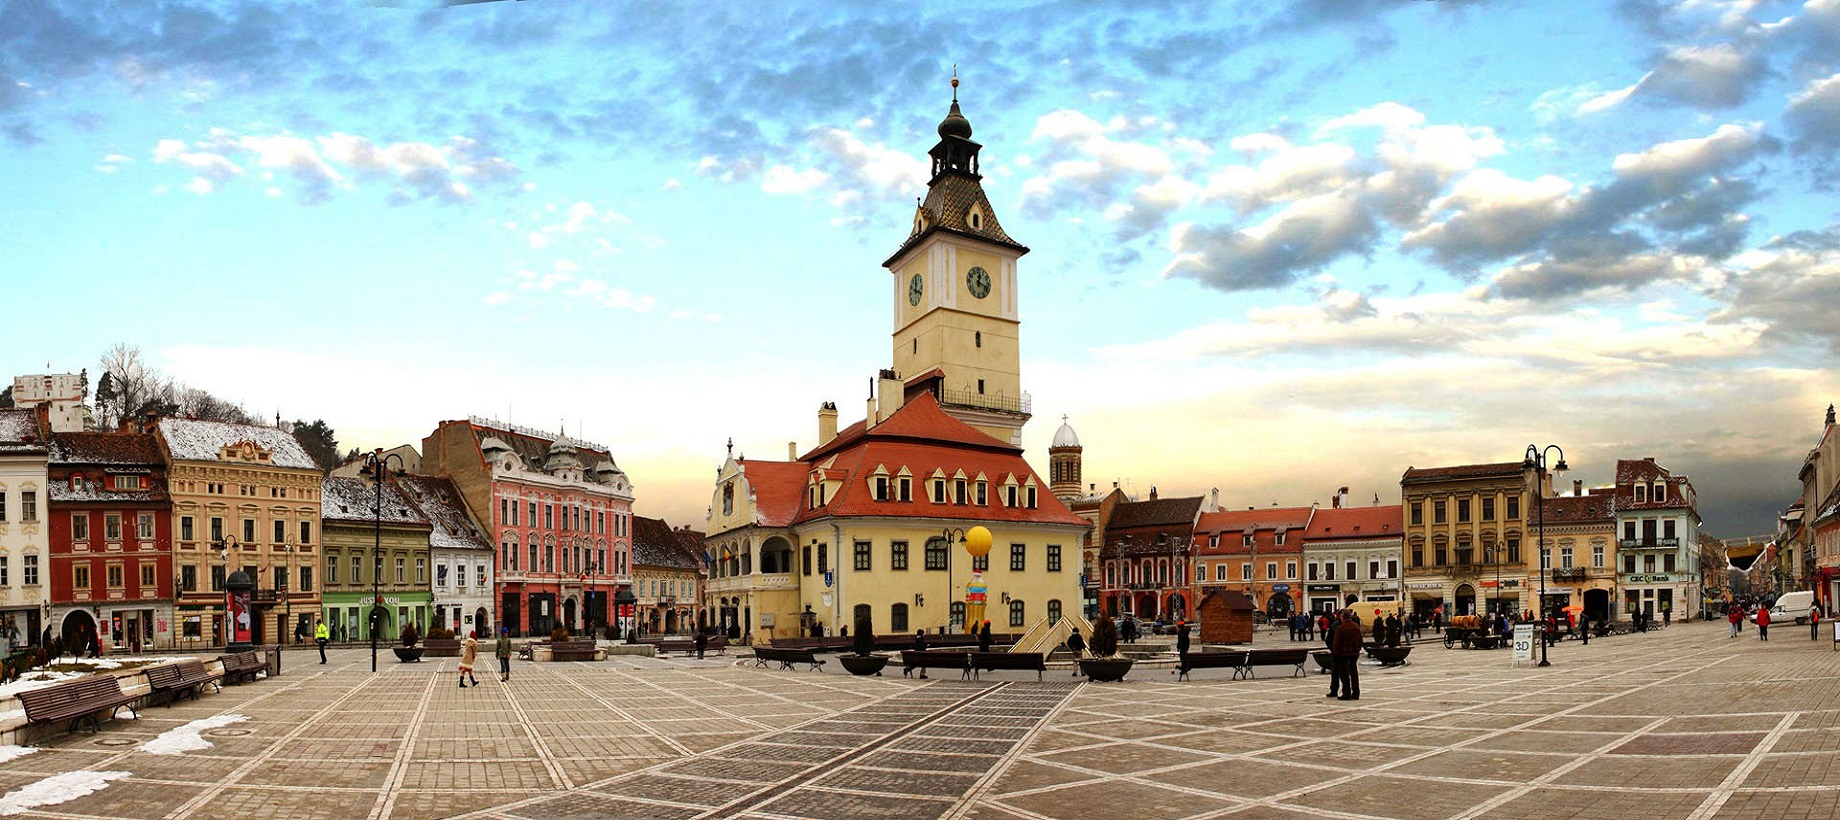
point(1763, 623)
point(1735, 614)
point(1814, 622)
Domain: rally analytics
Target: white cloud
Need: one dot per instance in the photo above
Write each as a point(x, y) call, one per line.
point(414, 170)
point(783, 179)
point(1388, 116)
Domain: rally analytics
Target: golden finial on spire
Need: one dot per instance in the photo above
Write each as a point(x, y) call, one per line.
point(955, 82)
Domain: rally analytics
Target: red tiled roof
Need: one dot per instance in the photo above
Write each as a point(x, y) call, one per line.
point(1267, 518)
point(1498, 470)
point(922, 438)
point(105, 448)
point(1349, 523)
point(778, 488)
point(1596, 506)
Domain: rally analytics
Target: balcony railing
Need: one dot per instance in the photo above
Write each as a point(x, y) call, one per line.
point(983, 401)
point(1648, 543)
point(1572, 574)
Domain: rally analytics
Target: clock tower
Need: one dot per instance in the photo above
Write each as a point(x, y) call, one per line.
point(956, 320)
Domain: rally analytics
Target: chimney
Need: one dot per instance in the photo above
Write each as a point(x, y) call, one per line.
point(1214, 500)
point(792, 452)
point(1153, 492)
point(1649, 459)
point(1577, 487)
point(827, 423)
point(1830, 415)
point(869, 417)
point(890, 389)
point(1341, 498)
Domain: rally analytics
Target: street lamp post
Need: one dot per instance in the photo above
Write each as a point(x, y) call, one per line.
point(376, 465)
point(977, 544)
point(1536, 461)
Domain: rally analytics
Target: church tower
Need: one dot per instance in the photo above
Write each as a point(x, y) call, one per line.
point(1064, 464)
point(956, 318)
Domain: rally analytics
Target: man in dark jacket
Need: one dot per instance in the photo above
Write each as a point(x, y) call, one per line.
point(1345, 648)
point(1181, 638)
point(984, 637)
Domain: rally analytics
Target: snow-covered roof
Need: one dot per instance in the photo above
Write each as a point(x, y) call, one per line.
point(193, 440)
point(354, 500)
point(19, 432)
point(440, 502)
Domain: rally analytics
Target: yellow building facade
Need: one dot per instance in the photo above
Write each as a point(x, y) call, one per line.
point(243, 497)
point(1464, 530)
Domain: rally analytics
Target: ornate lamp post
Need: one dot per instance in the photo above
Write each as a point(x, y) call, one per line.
point(376, 465)
point(977, 544)
point(1536, 461)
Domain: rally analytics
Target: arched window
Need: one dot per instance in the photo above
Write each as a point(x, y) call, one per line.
point(1015, 613)
point(511, 551)
point(1054, 611)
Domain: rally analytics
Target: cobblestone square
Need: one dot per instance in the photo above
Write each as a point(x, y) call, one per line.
point(1676, 723)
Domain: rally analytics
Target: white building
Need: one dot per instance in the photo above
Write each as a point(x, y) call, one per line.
point(1657, 522)
point(65, 392)
point(1354, 551)
point(461, 555)
point(24, 530)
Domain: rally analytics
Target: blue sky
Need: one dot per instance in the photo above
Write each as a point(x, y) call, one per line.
point(1277, 248)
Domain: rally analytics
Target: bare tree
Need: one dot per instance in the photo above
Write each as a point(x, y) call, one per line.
point(132, 385)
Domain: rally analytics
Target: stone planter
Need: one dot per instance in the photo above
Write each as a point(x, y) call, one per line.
point(1324, 660)
point(863, 664)
point(407, 654)
point(441, 648)
point(1100, 670)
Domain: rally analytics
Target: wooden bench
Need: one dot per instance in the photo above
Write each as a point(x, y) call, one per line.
point(786, 657)
point(187, 676)
point(571, 650)
point(1210, 660)
point(924, 659)
point(1026, 661)
point(78, 701)
point(242, 666)
point(688, 646)
point(1271, 657)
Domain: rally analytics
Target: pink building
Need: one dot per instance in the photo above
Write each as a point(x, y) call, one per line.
point(560, 515)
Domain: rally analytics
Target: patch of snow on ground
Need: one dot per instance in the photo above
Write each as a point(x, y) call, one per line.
point(58, 788)
point(37, 678)
point(10, 752)
point(187, 738)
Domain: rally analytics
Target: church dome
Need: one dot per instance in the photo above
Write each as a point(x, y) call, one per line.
point(1065, 437)
point(955, 124)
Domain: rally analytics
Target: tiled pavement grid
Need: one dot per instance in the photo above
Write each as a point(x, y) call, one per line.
point(1684, 723)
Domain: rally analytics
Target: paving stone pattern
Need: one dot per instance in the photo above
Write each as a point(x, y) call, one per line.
point(1684, 722)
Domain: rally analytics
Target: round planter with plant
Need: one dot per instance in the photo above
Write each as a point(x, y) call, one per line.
point(1104, 663)
point(863, 660)
point(409, 652)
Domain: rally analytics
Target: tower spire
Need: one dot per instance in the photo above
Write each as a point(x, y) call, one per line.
point(954, 91)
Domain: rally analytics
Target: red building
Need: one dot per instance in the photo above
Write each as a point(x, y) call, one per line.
point(111, 573)
point(1255, 551)
point(1147, 555)
point(559, 512)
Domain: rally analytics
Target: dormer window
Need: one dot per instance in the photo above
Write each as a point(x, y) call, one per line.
point(1246, 540)
point(982, 494)
point(906, 487)
point(958, 491)
point(1641, 493)
point(76, 483)
point(881, 488)
point(1009, 496)
point(1660, 492)
point(1031, 496)
point(939, 491)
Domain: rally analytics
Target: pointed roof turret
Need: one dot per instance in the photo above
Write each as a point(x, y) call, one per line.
point(1065, 437)
point(955, 201)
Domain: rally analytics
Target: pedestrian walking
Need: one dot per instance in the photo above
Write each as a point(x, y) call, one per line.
point(1667, 615)
point(1181, 638)
point(468, 651)
point(1584, 627)
point(920, 639)
point(1437, 621)
point(322, 635)
point(1076, 645)
point(1814, 622)
point(1763, 623)
point(503, 650)
point(702, 643)
point(984, 637)
point(1345, 654)
point(1735, 615)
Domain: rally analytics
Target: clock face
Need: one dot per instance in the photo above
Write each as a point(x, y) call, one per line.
point(978, 281)
point(915, 287)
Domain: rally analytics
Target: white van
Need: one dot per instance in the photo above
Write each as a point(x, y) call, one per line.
point(1792, 606)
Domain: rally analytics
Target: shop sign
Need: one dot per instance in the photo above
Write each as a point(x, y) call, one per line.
point(1424, 586)
point(1280, 587)
point(1324, 588)
point(1648, 579)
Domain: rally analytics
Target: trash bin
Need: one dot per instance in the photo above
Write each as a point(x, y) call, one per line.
point(272, 653)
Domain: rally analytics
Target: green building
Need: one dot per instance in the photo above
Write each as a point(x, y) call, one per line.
point(376, 548)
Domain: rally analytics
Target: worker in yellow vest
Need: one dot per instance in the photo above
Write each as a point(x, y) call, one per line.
point(321, 634)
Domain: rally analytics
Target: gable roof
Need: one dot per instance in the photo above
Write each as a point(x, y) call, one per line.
point(778, 488)
point(921, 438)
point(1253, 520)
point(1356, 523)
point(105, 449)
point(1596, 506)
point(439, 500)
point(655, 544)
point(354, 501)
point(1160, 512)
point(1504, 469)
point(196, 440)
point(19, 432)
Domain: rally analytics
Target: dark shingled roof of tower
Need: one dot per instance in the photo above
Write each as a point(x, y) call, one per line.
point(948, 207)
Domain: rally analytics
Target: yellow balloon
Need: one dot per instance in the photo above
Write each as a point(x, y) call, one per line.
point(977, 542)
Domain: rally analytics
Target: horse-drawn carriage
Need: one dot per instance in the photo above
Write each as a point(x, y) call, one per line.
point(1471, 632)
